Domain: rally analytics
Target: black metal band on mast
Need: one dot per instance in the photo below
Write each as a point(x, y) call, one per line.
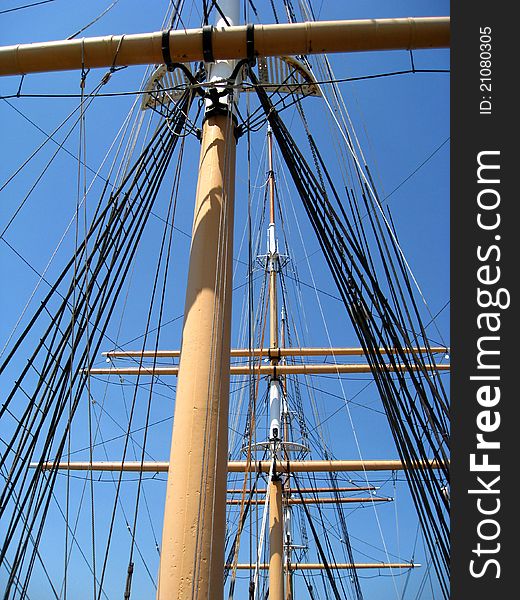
point(250, 44)
point(207, 44)
point(165, 48)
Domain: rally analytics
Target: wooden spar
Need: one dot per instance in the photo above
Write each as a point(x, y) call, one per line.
point(321, 466)
point(227, 43)
point(302, 466)
point(319, 566)
point(291, 501)
point(271, 352)
point(276, 516)
point(192, 551)
point(312, 490)
point(307, 369)
point(276, 578)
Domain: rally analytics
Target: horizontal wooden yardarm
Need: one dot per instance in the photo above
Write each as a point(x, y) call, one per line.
point(313, 490)
point(317, 37)
point(315, 501)
point(318, 566)
point(271, 352)
point(311, 466)
point(308, 369)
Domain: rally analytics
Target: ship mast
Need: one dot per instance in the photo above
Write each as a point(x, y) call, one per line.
point(276, 521)
point(192, 551)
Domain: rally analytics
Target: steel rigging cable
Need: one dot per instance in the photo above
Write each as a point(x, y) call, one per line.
point(353, 271)
point(113, 237)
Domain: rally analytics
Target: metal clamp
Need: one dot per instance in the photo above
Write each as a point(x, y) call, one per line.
point(207, 44)
point(250, 44)
point(165, 48)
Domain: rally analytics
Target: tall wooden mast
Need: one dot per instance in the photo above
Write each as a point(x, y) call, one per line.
point(276, 526)
point(192, 551)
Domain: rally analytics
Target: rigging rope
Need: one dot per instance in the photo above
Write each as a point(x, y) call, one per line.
point(353, 270)
point(114, 235)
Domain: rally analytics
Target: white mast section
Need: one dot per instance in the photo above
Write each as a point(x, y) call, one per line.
point(220, 71)
point(275, 394)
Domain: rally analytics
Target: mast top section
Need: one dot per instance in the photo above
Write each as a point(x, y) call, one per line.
point(227, 43)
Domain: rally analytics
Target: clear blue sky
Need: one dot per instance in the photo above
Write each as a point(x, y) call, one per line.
point(403, 126)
